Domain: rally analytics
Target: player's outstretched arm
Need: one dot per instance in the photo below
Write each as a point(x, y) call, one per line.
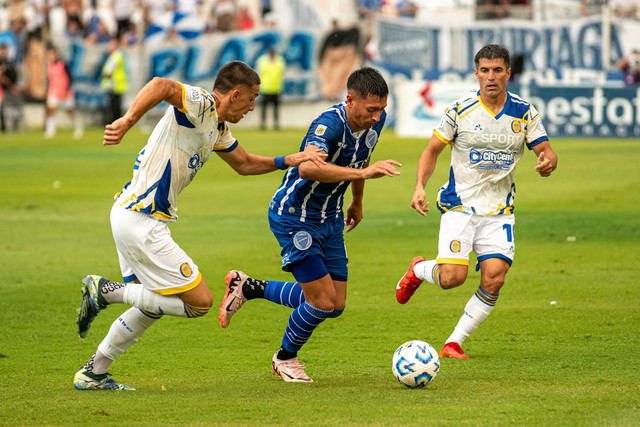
point(153, 93)
point(254, 164)
point(426, 166)
point(332, 173)
point(547, 159)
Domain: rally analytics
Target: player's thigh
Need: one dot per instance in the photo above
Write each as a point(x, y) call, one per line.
point(150, 254)
point(335, 250)
point(341, 294)
point(492, 274)
point(297, 240)
point(452, 275)
point(320, 293)
point(455, 240)
point(495, 238)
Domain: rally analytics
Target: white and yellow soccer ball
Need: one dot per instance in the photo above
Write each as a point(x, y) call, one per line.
point(415, 364)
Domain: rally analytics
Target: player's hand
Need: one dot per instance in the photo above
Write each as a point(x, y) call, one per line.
point(354, 215)
point(114, 132)
point(418, 202)
point(381, 168)
point(544, 166)
point(311, 153)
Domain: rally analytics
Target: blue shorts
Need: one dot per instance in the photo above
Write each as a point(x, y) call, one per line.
point(300, 239)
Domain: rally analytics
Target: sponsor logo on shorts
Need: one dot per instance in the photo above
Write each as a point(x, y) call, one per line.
point(185, 269)
point(302, 240)
point(320, 130)
point(454, 246)
point(371, 139)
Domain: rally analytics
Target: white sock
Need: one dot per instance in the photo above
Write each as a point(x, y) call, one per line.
point(124, 332)
point(477, 309)
point(51, 125)
point(428, 270)
point(138, 296)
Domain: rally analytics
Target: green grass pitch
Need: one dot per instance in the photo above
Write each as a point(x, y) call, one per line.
point(575, 362)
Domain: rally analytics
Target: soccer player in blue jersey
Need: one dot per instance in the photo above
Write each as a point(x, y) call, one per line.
point(487, 132)
point(159, 277)
point(306, 217)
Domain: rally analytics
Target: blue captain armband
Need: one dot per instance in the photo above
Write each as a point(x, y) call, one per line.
point(280, 164)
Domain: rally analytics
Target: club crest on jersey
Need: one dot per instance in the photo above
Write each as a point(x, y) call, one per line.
point(185, 269)
point(454, 246)
point(320, 130)
point(516, 126)
point(371, 139)
point(302, 240)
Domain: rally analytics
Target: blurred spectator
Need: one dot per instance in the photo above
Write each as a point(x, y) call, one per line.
point(60, 94)
point(339, 56)
point(224, 12)
point(591, 7)
point(187, 7)
point(20, 36)
point(406, 9)
point(74, 29)
point(130, 37)
point(71, 8)
point(10, 96)
point(265, 6)
point(100, 34)
point(245, 20)
point(630, 65)
point(114, 80)
point(492, 9)
point(368, 8)
point(153, 10)
point(625, 8)
point(270, 68)
point(122, 10)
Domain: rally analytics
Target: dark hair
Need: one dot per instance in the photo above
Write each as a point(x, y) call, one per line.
point(368, 81)
point(493, 51)
point(233, 74)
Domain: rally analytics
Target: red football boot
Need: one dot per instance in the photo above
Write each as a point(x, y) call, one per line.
point(453, 350)
point(409, 282)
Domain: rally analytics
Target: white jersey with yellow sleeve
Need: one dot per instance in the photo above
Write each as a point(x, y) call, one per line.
point(182, 141)
point(485, 149)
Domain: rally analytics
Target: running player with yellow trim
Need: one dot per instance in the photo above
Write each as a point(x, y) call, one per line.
point(487, 133)
point(159, 277)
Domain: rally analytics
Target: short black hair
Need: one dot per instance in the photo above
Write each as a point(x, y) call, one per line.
point(493, 51)
point(233, 74)
point(368, 81)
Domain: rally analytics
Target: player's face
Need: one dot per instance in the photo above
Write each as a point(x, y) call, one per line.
point(363, 113)
point(492, 74)
point(243, 100)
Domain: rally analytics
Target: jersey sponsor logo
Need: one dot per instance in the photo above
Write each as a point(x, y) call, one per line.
point(185, 269)
point(454, 246)
point(195, 164)
point(491, 159)
point(320, 130)
point(302, 240)
point(516, 126)
point(371, 139)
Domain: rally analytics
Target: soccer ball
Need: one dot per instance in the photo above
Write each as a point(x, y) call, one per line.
point(415, 364)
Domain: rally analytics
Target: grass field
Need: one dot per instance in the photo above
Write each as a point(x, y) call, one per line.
point(575, 362)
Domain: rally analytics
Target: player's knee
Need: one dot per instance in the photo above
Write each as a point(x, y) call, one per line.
point(325, 304)
point(451, 280)
point(493, 284)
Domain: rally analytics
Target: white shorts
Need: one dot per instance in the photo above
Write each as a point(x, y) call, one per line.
point(489, 236)
point(148, 253)
point(67, 103)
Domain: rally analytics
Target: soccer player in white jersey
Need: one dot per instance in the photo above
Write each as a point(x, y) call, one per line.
point(487, 133)
point(159, 277)
point(306, 217)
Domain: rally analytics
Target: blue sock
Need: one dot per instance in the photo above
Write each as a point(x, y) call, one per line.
point(302, 322)
point(284, 293)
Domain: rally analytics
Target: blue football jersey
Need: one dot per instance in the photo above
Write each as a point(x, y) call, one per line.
point(317, 201)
